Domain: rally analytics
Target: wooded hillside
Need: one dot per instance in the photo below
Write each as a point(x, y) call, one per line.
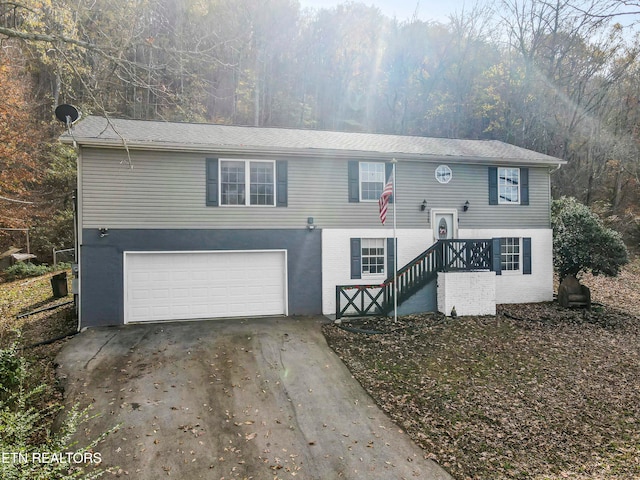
point(559, 77)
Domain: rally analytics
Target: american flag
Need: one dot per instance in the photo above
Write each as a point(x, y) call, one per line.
point(383, 202)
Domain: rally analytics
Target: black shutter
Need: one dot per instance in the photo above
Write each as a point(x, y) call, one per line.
point(524, 186)
point(212, 182)
point(493, 186)
point(526, 256)
point(354, 182)
point(497, 256)
point(281, 183)
point(356, 258)
point(391, 258)
point(388, 172)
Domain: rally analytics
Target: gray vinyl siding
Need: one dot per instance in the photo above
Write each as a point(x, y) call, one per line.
point(168, 190)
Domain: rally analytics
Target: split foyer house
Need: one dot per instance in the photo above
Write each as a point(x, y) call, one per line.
point(181, 221)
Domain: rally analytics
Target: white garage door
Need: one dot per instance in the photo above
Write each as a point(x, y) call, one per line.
point(190, 285)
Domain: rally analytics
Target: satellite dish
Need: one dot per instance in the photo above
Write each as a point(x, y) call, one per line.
point(67, 114)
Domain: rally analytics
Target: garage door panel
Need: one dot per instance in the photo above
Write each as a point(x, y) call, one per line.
point(159, 312)
point(190, 285)
point(200, 276)
point(140, 294)
point(159, 277)
point(181, 293)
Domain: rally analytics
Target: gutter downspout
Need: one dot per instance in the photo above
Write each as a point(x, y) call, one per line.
point(551, 172)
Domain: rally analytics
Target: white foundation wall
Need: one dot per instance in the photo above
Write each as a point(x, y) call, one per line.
point(336, 257)
point(514, 287)
point(471, 293)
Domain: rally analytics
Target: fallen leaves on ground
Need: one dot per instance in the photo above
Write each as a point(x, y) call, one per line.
point(24, 296)
point(536, 392)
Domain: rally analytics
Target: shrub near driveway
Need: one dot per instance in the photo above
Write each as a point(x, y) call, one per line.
point(30, 447)
point(535, 392)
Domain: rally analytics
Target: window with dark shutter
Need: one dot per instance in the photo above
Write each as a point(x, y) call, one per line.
point(497, 256)
point(524, 186)
point(366, 180)
point(282, 197)
point(391, 258)
point(212, 182)
point(511, 254)
point(508, 186)
point(241, 182)
point(493, 186)
point(526, 256)
point(354, 181)
point(356, 262)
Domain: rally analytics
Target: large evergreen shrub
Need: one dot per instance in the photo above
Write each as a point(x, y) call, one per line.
point(582, 243)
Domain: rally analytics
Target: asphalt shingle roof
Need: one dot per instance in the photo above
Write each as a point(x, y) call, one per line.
point(98, 131)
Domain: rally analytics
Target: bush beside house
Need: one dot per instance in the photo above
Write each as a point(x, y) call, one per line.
point(582, 243)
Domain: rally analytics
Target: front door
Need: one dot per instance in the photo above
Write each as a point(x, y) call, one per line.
point(445, 224)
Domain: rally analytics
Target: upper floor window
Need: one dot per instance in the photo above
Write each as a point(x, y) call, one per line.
point(372, 180)
point(508, 185)
point(366, 180)
point(247, 182)
point(444, 174)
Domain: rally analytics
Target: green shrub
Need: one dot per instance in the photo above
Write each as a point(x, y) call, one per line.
point(582, 243)
point(25, 269)
point(27, 442)
point(10, 371)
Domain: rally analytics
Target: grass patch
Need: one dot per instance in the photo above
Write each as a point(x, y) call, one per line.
point(26, 270)
point(25, 295)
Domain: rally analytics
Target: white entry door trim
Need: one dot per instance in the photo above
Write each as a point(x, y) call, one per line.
point(188, 285)
point(436, 214)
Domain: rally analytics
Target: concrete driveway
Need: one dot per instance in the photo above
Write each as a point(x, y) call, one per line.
point(221, 399)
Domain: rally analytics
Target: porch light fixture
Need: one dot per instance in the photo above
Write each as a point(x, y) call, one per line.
point(423, 206)
point(310, 224)
point(103, 232)
point(465, 207)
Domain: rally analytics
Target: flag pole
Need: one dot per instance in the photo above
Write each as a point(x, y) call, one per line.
point(395, 247)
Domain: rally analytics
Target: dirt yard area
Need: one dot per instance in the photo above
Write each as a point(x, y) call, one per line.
point(537, 392)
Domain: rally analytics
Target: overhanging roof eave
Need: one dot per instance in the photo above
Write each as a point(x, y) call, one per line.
point(306, 152)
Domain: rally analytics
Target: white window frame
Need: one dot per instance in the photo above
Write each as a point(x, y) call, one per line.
point(508, 250)
point(443, 174)
point(383, 242)
point(247, 182)
point(503, 185)
point(361, 177)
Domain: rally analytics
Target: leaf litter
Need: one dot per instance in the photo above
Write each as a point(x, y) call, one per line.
point(536, 392)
